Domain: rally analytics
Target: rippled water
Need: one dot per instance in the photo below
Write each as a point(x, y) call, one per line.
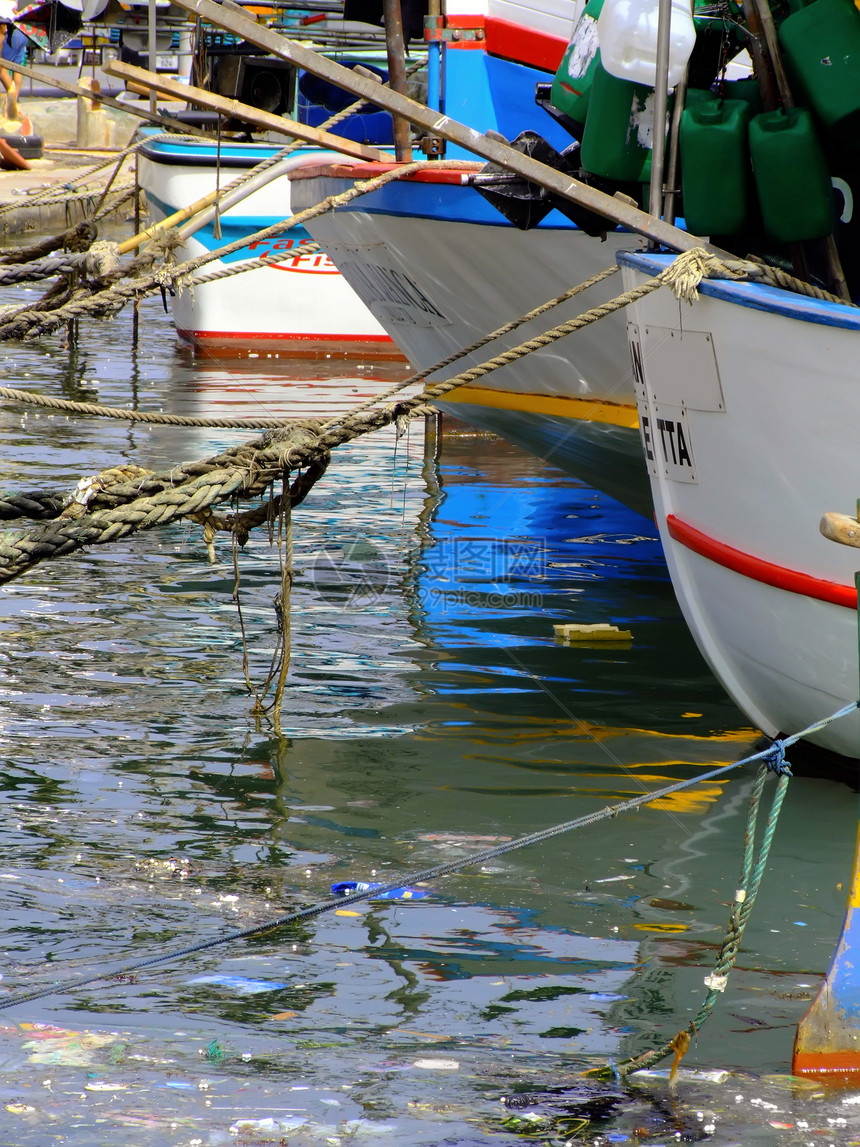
point(430, 713)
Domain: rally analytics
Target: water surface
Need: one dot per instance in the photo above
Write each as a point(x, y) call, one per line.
point(429, 713)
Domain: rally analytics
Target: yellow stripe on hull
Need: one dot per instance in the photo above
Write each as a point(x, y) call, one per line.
point(576, 409)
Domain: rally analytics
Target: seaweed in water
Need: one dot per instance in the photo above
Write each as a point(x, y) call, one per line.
point(570, 1110)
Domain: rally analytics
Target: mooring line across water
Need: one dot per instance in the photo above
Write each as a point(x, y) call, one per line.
point(773, 757)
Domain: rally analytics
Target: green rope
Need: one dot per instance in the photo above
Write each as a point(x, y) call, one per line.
point(752, 871)
point(775, 754)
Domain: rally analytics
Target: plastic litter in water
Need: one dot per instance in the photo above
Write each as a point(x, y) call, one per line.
point(246, 1127)
point(691, 1074)
point(436, 1064)
point(240, 984)
point(365, 1129)
point(347, 887)
point(49, 1045)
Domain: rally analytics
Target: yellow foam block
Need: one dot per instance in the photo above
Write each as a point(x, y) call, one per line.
point(600, 631)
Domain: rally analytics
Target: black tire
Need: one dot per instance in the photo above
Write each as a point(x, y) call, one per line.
point(27, 146)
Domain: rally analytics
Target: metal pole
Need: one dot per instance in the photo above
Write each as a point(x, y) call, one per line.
point(661, 101)
point(674, 147)
point(396, 48)
point(153, 57)
point(434, 56)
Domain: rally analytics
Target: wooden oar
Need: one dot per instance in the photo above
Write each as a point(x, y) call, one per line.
point(827, 1043)
point(78, 90)
point(169, 221)
point(199, 213)
point(493, 150)
point(237, 110)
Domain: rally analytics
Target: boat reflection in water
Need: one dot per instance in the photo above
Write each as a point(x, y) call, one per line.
point(429, 576)
point(430, 713)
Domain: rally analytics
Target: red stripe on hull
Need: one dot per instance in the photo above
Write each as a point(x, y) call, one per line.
point(757, 569)
point(359, 170)
point(524, 45)
point(265, 336)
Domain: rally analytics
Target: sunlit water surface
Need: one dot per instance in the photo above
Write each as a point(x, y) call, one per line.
point(429, 713)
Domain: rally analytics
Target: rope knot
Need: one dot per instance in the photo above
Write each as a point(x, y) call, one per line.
point(685, 273)
point(100, 260)
point(775, 759)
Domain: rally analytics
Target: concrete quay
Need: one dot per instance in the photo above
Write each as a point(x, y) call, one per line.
point(61, 121)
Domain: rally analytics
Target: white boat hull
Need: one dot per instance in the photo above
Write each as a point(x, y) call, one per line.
point(747, 403)
point(302, 306)
point(440, 269)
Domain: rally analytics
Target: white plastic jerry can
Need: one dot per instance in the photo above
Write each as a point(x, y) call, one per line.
point(627, 31)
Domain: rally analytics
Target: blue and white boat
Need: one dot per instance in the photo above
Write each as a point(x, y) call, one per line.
point(440, 268)
point(490, 62)
point(285, 307)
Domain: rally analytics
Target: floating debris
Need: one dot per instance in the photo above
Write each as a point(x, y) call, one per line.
point(574, 633)
point(240, 984)
point(347, 887)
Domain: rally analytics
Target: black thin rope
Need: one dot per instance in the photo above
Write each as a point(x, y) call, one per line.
point(773, 755)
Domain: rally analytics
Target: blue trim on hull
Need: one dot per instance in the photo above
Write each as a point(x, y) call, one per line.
point(445, 202)
point(238, 228)
point(185, 154)
point(755, 296)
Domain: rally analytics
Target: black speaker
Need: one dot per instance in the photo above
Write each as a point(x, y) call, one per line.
point(261, 81)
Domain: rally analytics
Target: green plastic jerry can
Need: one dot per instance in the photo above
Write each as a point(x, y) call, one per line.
point(747, 90)
point(571, 86)
point(619, 129)
point(821, 47)
point(791, 176)
point(715, 166)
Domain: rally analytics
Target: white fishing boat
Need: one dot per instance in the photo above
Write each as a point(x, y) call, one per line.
point(299, 306)
point(746, 398)
point(440, 268)
point(747, 402)
point(492, 61)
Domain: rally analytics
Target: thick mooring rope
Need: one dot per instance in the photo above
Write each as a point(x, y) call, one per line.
point(773, 758)
point(77, 238)
point(479, 344)
point(123, 508)
point(109, 301)
point(50, 194)
point(247, 470)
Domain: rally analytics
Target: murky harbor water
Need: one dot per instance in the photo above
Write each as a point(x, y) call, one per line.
point(429, 714)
